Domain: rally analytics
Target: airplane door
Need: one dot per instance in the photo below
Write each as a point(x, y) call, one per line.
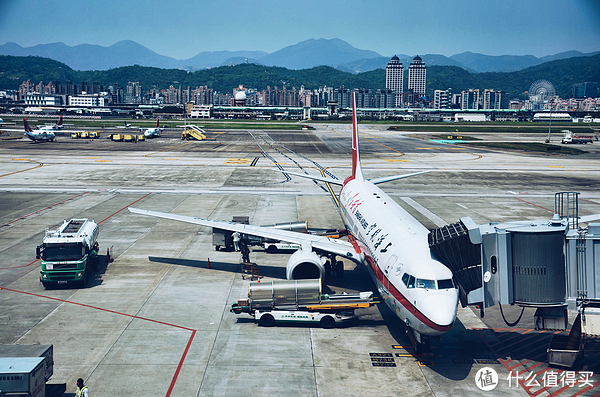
point(390, 263)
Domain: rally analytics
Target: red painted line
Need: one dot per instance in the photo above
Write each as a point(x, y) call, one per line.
point(45, 208)
point(96, 308)
point(509, 338)
point(535, 205)
point(584, 390)
point(175, 376)
point(17, 267)
point(174, 380)
point(110, 216)
point(519, 363)
point(521, 341)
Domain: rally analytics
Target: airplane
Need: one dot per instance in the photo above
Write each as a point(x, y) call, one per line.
point(39, 135)
point(153, 132)
point(383, 237)
point(56, 127)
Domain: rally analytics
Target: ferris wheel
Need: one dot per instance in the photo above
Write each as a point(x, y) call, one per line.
point(541, 91)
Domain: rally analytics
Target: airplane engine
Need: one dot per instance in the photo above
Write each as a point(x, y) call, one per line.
point(305, 264)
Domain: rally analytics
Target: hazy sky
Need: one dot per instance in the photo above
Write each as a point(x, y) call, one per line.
point(183, 28)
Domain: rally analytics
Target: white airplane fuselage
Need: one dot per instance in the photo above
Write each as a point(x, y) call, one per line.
point(40, 135)
point(152, 133)
point(393, 246)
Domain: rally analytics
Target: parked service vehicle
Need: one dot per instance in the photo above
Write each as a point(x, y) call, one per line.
point(273, 247)
point(26, 369)
point(569, 138)
point(68, 252)
point(299, 301)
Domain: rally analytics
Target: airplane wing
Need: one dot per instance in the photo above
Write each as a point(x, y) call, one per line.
point(375, 181)
point(589, 218)
point(330, 245)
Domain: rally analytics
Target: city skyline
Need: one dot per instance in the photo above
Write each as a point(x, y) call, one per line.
point(181, 29)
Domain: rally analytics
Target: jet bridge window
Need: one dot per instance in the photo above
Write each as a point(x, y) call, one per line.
point(424, 283)
point(408, 280)
point(445, 284)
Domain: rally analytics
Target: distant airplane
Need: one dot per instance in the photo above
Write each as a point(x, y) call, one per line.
point(385, 238)
point(39, 135)
point(127, 125)
point(56, 127)
point(153, 132)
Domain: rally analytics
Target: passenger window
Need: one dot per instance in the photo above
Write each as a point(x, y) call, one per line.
point(423, 283)
point(445, 284)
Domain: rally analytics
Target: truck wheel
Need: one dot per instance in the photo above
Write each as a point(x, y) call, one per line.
point(327, 322)
point(217, 247)
point(266, 321)
point(272, 249)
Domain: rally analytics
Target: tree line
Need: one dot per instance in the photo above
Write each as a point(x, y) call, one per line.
point(562, 74)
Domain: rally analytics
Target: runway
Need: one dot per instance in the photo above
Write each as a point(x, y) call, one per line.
point(155, 321)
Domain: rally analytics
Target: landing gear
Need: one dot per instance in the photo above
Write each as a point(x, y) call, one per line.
point(334, 268)
point(424, 346)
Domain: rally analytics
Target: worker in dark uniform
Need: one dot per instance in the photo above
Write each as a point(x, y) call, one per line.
point(244, 250)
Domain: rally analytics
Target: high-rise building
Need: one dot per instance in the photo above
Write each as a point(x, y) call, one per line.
point(470, 99)
point(584, 90)
point(442, 99)
point(417, 76)
point(394, 78)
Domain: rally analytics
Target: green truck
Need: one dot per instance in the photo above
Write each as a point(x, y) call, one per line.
point(69, 252)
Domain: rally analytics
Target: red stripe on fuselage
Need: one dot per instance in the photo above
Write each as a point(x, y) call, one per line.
point(378, 275)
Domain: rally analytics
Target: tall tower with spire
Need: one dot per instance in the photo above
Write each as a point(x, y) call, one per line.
point(394, 78)
point(417, 76)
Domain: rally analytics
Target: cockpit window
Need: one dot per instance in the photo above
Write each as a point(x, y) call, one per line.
point(408, 280)
point(445, 284)
point(424, 283)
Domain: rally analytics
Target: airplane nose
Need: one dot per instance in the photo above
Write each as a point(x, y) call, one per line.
point(441, 309)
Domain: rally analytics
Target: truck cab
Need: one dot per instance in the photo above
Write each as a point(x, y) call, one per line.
point(68, 252)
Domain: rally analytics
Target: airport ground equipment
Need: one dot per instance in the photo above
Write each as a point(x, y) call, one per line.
point(192, 132)
point(94, 134)
point(129, 138)
point(116, 137)
point(68, 252)
point(299, 301)
point(223, 239)
point(570, 138)
point(26, 369)
point(551, 265)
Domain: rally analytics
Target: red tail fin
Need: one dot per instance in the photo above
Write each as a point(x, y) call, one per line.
point(59, 121)
point(26, 126)
point(356, 168)
point(157, 122)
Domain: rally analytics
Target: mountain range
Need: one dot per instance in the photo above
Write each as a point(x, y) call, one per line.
point(304, 55)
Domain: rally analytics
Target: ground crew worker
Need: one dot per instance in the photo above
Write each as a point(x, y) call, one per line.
point(245, 251)
point(82, 390)
point(236, 240)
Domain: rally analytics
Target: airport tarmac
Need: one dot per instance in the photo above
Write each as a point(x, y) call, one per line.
point(155, 321)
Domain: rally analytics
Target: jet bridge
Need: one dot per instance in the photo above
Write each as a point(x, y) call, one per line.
point(552, 265)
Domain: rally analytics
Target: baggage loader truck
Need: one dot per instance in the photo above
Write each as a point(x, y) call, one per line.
point(68, 252)
point(299, 301)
